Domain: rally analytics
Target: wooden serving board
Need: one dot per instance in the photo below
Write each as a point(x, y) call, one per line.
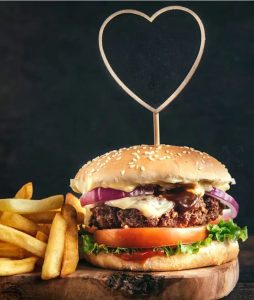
point(93, 283)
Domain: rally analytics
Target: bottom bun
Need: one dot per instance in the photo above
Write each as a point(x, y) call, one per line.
point(216, 253)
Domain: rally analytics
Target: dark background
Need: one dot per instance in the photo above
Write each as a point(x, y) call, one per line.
point(60, 107)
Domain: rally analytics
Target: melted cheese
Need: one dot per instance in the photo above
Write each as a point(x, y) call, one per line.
point(198, 190)
point(150, 206)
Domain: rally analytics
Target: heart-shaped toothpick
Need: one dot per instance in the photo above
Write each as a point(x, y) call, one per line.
point(185, 81)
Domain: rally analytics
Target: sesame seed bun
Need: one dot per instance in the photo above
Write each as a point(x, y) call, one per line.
point(127, 168)
point(216, 253)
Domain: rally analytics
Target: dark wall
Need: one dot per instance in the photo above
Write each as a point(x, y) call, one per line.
point(60, 107)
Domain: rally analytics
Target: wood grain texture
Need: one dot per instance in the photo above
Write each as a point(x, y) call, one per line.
point(94, 283)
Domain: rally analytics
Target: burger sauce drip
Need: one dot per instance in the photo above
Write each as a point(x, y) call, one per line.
point(184, 199)
point(140, 256)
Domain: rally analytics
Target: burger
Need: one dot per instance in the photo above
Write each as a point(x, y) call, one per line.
point(157, 208)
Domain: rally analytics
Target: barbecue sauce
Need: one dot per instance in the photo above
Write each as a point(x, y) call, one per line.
point(183, 199)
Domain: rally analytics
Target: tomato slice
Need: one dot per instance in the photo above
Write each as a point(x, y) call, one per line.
point(149, 237)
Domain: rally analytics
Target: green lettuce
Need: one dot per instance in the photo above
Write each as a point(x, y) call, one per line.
point(223, 231)
point(227, 230)
point(89, 246)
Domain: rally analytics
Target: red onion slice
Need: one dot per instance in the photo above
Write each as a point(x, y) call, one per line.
point(106, 194)
point(233, 207)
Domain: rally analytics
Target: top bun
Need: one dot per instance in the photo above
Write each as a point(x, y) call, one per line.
point(126, 168)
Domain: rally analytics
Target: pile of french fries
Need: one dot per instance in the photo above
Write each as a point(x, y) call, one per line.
point(39, 234)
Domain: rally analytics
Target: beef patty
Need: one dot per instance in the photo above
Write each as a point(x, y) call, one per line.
point(206, 209)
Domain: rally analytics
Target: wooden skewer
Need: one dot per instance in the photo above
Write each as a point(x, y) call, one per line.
point(156, 128)
point(185, 81)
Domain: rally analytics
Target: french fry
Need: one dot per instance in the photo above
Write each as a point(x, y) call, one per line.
point(12, 267)
point(41, 236)
point(22, 206)
point(44, 238)
point(42, 217)
point(25, 192)
point(11, 251)
point(74, 201)
point(70, 256)
point(19, 222)
point(54, 253)
point(45, 228)
point(22, 240)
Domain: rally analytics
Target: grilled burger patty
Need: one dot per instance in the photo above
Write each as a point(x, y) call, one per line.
point(206, 209)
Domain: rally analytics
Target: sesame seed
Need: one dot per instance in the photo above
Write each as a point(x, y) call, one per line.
point(146, 152)
point(118, 158)
point(122, 172)
point(135, 154)
point(142, 168)
point(151, 158)
point(132, 166)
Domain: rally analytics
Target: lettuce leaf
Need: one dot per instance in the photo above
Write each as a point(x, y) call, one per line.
point(227, 230)
point(185, 249)
point(223, 231)
point(89, 246)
